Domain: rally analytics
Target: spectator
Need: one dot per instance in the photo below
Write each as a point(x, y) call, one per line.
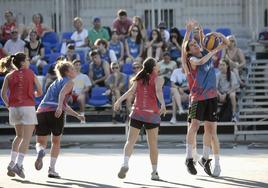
point(38, 25)
point(154, 45)
point(179, 92)
point(15, 44)
point(138, 21)
point(7, 27)
point(98, 69)
point(2, 51)
point(227, 85)
point(81, 87)
point(134, 44)
point(122, 24)
point(174, 44)
point(70, 54)
point(116, 82)
point(166, 67)
point(117, 46)
point(236, 58)
point(97, 32)
point(106, 54)
point(163, 31)
point(35, 50)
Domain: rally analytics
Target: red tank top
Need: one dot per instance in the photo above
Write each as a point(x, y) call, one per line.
point(145, 106)
point(21, 88)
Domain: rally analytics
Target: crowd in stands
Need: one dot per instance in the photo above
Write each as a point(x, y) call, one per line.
point(108, 57)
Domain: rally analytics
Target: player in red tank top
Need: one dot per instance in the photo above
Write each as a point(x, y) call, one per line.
point(147, 87)
point(20, 103)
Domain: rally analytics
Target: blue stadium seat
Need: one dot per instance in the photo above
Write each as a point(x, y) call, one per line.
point(97, 97)
point(127, 69)
point(33, 67)
point(52, 57)
point(206, 30)
point(167, 94)
point(45, 69)
point(182, 32)
point(66, 35)
point(224, 30)
point(51, 40)
point(82, 56)
point(85, 68)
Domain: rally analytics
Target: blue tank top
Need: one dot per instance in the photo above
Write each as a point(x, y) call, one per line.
point(51, 98)
point(116, 47)
point(106, 56)
point(134, 48)
point(98, 72)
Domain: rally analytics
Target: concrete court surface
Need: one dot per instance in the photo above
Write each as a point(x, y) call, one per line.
point(98, 167)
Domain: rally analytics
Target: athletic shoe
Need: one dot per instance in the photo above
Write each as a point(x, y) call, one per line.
point(181, 111)
point(173, 120)
point(9, 169)
point(52, 173)
point(123, 171)
point(39, 161)
point(83, 122)
point(216, 171)
point(190, 166)
point(18, 170)
point(234, 118)
point(155, 176)
point(206, 165)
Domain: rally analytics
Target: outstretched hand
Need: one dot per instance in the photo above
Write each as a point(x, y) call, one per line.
point(190, 24)
point(116, 106)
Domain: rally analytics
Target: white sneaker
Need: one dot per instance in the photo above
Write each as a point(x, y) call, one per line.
point(181, 111)
point(216, 171)
point(83, 122)
point(52, 173)
point(155, 176)
point(123, 171)
point(173, 120)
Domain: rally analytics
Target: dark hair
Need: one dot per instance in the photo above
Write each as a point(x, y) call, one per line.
point(9, 12)
point(139, 36)
point(94, 52)
point(122, 12)
point(228, 73)
point(76, 61)
point(179, 37)
point(17, 59)
point(147, 69)
point(40, 15)
point(34, 31)
point(159, 38)
point(101, 41)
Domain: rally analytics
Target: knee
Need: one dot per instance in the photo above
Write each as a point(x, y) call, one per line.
point(193, 128)
point(232, 95)
point(56, 141)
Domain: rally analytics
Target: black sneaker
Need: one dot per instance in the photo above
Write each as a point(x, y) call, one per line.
point(206, 165)
point(190, 166)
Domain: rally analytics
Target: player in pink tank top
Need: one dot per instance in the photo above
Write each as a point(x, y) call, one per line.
point(147, 88)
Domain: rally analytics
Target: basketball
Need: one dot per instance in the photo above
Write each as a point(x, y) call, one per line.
point(211, 41)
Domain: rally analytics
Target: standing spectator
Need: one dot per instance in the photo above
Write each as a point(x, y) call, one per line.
point(7, 27)
point(98, 69)
point(116, 82)
point(35, 50)
point(154, 45)
point(81, 88)
point(38, 25)
point(138, 21)
point(105, 53)
point(227, 84)
point(134, 44)
point(117, 46)
point(97, 32)
point(163, 31)
point(122, 24)
point(174, 44)
point(166, 67)
point(70, 54)
point(15, 44)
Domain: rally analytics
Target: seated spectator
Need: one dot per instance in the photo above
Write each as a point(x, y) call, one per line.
point(163, 31)
point(116, 84)
point(134, 44)
point(15, 44)
point(81, 88)
point(118, 47)
point(227, 85)
point(166, 67)
point(179, 92)
point(35, 50)
point(174, 44)
point(98, 69)
point(97, 32)
point(154, 45)
point(7, 27)
point(138, 21)
point(38, 25)
point(106, 54)
point(236, 58)
point(136, 67)
point(2, 51)
point(122, 24)
point(70, 54)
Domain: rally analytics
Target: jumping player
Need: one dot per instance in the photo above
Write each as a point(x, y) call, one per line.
point(20, 83)
point(51, 117)
point(147, 89)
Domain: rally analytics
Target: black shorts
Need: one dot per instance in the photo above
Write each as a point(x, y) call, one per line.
point(139, 124)
point(205, 110)
point(48, 123)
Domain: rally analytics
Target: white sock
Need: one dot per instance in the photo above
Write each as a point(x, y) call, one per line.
point(53, 162)
point(38, 147)
point(126, 159)
point(206, 150)
point(14, 155)
point(189, 151)
point(154, 167)
point(217, 160)
point(20, 159)
point(82, 113)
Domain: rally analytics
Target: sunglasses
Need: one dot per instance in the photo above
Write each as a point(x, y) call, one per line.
point(115, 68)
point(14, 32)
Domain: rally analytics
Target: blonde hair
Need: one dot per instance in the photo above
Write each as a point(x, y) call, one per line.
point(62, 67)
point(78, 19)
